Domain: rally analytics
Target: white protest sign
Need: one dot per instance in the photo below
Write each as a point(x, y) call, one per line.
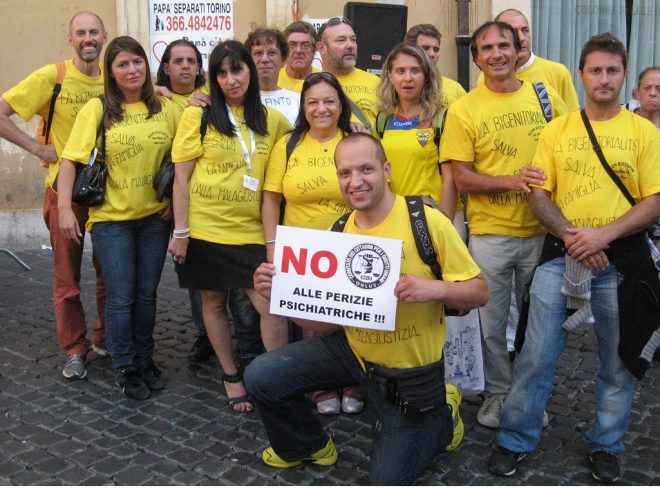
point(204, 23)
point(338, 278)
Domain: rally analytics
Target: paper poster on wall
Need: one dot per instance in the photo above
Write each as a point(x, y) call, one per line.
point(337, 278)
point(203, 23)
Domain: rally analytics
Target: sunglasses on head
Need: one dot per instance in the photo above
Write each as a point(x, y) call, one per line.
point(321, 75)
point(332, 22)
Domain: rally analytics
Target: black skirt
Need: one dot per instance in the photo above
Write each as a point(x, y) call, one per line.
point(211, 266)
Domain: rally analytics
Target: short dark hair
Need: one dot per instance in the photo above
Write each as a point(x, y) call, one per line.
point(501, 26)
point(255, 113)
point(422, 30)
point(300, 27)
point(356, 136)
point(606, 42)
point(344, 123)
point(264, 35)
point(163, 79)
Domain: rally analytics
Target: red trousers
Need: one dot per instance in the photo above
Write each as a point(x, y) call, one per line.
point(67, 257)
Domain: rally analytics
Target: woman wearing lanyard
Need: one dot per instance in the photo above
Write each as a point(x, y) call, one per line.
point(307, 180)
point(218, 238)
point(409, 101)
point(130, 230)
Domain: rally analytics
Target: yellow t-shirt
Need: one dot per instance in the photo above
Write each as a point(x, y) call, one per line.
point(134, 150)
point(308, 182)
point(580, 187)
point(32, 97)
point(288, 83)
point(361, 87)
point(552, 74)
point(221, 209)
point(451, 91)
point(498, 132)
point(413, 154)
point(181, 101)
point(420, 327)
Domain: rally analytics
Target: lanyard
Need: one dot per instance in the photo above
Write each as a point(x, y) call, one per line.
point(246, 155)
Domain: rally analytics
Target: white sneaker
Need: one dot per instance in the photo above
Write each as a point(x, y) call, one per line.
point(489, 413)
point(100, 351)
point(351, 405)
point(331, 406)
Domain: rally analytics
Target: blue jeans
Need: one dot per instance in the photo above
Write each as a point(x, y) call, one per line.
point(132, 254)
point(246, 324)
point(402, 445)
point(534, 370)
point(196, 311)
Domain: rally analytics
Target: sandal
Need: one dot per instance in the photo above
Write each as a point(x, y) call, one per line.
point(235, 401)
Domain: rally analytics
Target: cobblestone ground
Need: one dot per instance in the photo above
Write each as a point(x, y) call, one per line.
point(57, 432)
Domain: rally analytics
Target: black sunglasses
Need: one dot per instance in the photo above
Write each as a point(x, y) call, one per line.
point(331, 23)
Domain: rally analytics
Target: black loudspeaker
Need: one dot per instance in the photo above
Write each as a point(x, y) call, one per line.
point(378, 28)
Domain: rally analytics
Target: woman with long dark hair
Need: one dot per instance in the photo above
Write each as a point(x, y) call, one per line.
point(323, 121)
point(221, 154)
point(130, 230)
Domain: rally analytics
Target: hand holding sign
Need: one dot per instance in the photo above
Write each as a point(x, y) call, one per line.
point(332, 277)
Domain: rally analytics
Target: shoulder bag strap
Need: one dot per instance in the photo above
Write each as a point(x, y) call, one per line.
point(358, 113)
point(61, 71)
point(544, 99)
point(340, 224)
point(603, 161)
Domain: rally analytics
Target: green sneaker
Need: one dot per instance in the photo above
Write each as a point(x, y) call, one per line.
point(326, 456)
point(454, 398)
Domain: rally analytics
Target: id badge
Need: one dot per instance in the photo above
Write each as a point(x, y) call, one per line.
point(250, 182)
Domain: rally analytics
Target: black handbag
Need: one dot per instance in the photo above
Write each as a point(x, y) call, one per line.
point(414, 390)
point(89, 185)
point(163, 181)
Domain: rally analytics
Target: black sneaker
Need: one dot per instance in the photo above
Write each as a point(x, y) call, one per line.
point(132, 385)
point(605, 467)
point(152, 377)
point(201, 350)
point(504, 462)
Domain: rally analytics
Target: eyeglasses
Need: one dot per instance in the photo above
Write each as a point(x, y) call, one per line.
point(333, 22)
point(303, 46)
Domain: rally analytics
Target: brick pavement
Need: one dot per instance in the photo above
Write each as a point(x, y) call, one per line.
point(57, 432)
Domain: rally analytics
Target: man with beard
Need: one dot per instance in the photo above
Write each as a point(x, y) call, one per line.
point(338, 47)
point(82, 80)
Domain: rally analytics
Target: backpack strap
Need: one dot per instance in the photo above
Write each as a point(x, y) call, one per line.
point(544, 100)
point(382, 120)
point(291, 146)
point(340, 225)
point(61, 71)
point(420, 230)
point(358, 113)
point(438, 125)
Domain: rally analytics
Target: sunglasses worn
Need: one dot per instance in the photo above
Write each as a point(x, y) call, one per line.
point(332, 22)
